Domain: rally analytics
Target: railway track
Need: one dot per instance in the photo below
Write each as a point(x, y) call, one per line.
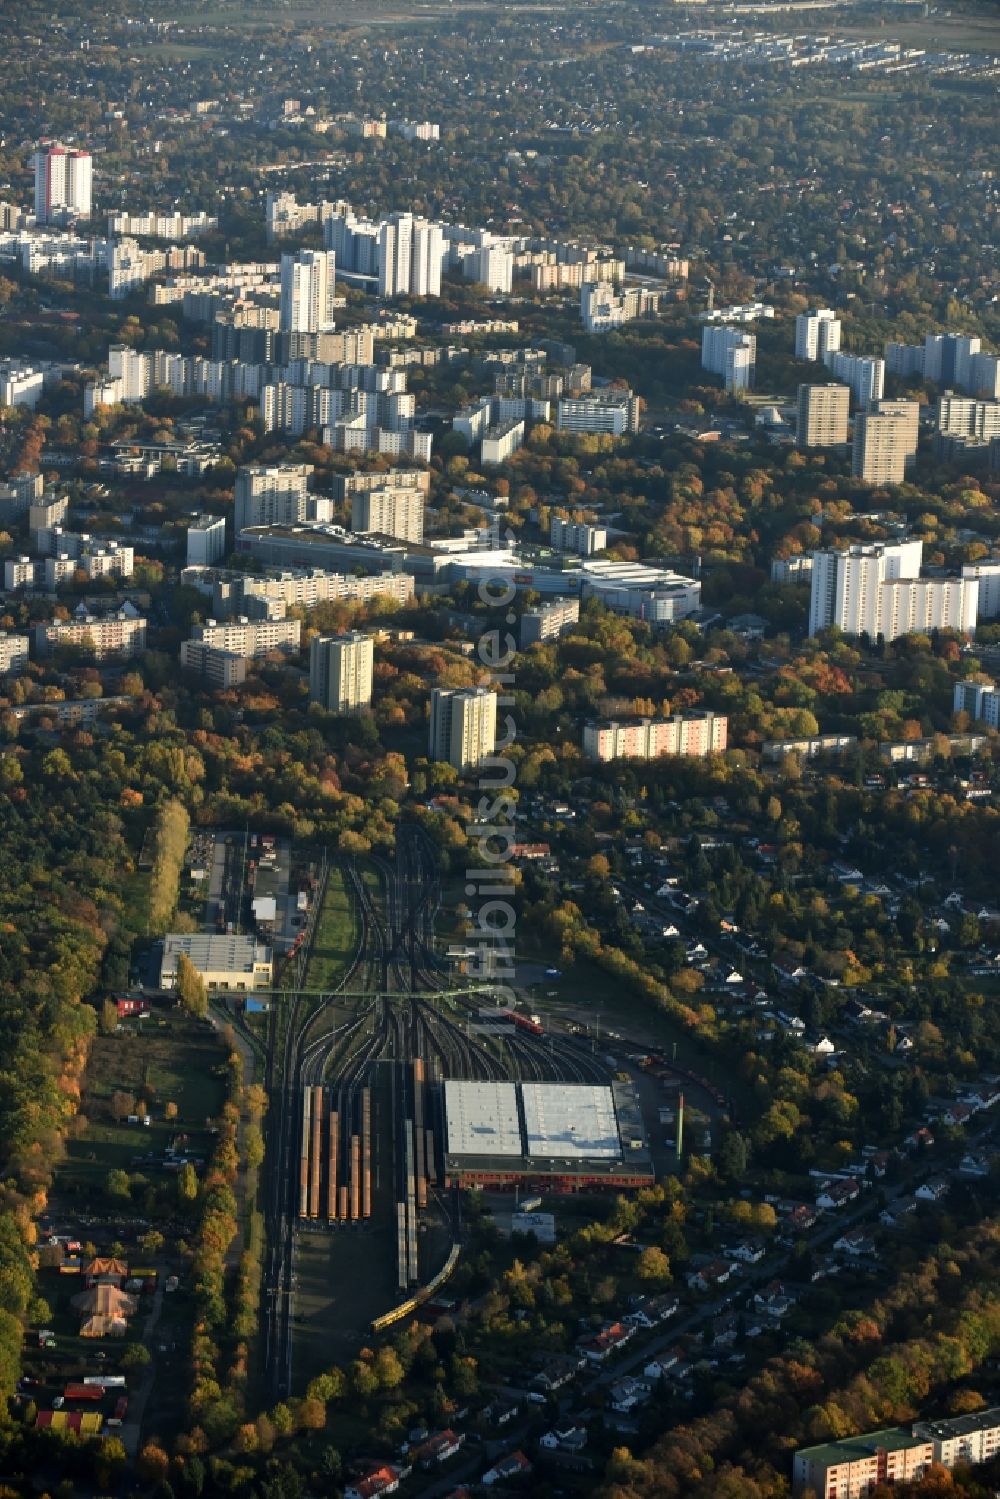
point(330, 1075)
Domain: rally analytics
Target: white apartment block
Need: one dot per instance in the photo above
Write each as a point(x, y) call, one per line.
point(109, 637)
point(463, 729)
point(154, 225)
point(13, 654)
point(130, 266)
point(217, 668)
point(284, 215)
point(823, 412)
point(20, 384)
point(393, 511)
point(272, 495)
point(345, 486)
point(576, 537)
point(308, 292)
point(60, 569)
point(696, 734)
point(606, 410)
point(963, 1439)
point(965, 416)
point(549, 274)
point(341, 669)
point(206, 540)
point(817, 334)
point(949, 359)
point(981, 700)
point(415, 130)
point(19, 493)
point(502, 442)
point(54, 541)
point(20, 572)
point(115, 560)
point(495, 269)
point(248, 637)
point(851, 1467)
point(473, 421)
point(411, 252)
point(548, 621)
point(63, 182)
point(988, 573)
point(862, 373)
point(355, 435)
point(271, 595)
point(603, 306)
point(876, 590)
point(731, 353)
point(791, 569)
point(49, 510)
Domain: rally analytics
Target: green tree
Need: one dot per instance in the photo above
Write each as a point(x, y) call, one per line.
point(654, 1265)
point(117, 1184)
point(191, 988)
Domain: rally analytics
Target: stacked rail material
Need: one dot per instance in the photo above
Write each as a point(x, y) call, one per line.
point(418, 1132)
point(316, 1152)
point(366, 1153)
point(355, 1177)
point(304, 1153)
point(411, 1208)
point(331, 1183)
point(402, 1252)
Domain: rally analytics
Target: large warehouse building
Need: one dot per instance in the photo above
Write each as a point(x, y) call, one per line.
point(559, 1137)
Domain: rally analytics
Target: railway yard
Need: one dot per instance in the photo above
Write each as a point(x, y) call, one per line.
point(361, 1218)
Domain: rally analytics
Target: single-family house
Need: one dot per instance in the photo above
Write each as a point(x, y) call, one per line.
point(514, 1465)
point(894, 1212)
point(857, 1244)
point(626, 1393)
point(747, 1251)
point(774, 1299)
point(715, 1273)
point(660, 1366)
point(612, 1337)
point(933, 1189)
point(564, 1438)
point(653, 1310)
point(974, 1164)
point(501, 1412)
point(381, 1480)
point(837, 1194)
point(438, 1448)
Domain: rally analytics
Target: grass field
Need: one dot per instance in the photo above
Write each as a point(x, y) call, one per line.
point(336, 934)
point(170, 1059)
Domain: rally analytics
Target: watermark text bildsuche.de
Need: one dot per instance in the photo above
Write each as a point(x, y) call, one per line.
point(492, 917)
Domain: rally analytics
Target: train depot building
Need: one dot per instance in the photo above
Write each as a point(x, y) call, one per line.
point(227, 963)
point(558, 1137)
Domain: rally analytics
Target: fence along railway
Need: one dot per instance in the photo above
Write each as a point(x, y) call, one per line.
point(378, 1047)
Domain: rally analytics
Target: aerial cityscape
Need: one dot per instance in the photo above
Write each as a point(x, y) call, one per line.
point(500, 749)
